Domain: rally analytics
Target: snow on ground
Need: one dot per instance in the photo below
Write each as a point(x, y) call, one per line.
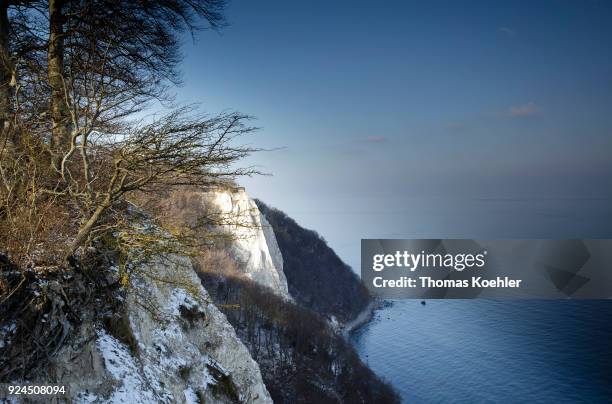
point(190, 396)
point(179, 298)
point(132, 387)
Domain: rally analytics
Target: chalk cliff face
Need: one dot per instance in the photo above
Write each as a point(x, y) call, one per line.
point(254, 247)
point(171, 345)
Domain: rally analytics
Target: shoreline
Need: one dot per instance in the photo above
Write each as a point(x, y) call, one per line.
point(363, 318)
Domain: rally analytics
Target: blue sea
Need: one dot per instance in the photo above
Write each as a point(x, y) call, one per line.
point(473, 351)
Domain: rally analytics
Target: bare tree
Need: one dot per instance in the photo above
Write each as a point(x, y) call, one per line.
point(5, 71)
point(107, 59)
point(56, 75)
point(175, 150)
point(98, 62)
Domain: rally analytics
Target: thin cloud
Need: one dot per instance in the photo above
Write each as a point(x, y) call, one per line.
point(508, 31)
point(376, 139)
point(522, 111)
point(456, 126)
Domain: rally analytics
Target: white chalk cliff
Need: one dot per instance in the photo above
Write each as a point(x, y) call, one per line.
point(254, 246)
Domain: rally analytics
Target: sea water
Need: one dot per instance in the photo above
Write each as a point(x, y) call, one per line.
point(513, 351)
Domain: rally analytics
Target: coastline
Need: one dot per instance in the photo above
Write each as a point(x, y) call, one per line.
point(363, 318)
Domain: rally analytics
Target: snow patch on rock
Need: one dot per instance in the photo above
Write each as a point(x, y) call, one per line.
point(122, 367)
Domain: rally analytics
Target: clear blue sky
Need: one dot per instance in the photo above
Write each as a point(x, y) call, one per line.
point(399, 118)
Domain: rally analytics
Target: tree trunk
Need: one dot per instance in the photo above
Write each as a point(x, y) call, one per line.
point(58, 102)
point(86, 228)
point(5, 69)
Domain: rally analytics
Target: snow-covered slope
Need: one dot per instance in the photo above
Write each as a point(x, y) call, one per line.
point(171, 345)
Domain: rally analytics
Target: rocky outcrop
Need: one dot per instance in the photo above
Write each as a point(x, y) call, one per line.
point(253, 247)
point(170, 345)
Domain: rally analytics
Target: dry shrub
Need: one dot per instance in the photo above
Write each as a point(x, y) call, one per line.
point(35, 223)
point(216, 260)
